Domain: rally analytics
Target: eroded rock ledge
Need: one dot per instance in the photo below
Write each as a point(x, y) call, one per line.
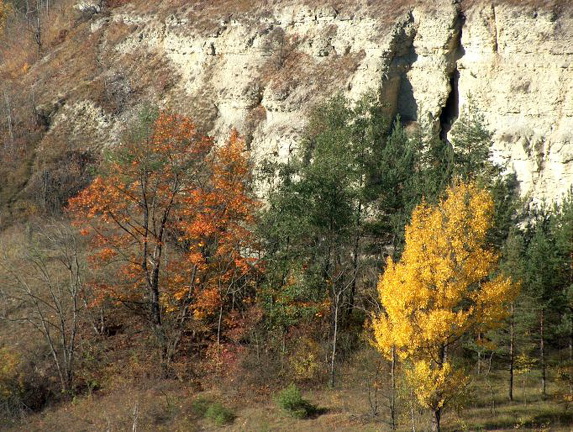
point(261, 70)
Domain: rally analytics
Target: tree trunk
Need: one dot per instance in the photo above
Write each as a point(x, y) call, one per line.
point(511, 352)
point(9, 120)
point(355, 262)
point(571, 348)
point(38, 27)
point(393, 422)
point(438, 410)
point(155, 310)
point(542, 353)
point(479, 355)
point(219, 324)
point(436, 420)
point(334, 339)
point(412, 413)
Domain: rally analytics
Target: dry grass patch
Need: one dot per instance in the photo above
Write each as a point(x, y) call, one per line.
point(554, 5)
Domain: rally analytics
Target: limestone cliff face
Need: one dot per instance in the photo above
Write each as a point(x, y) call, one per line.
point(260, 70)
point(517, 66)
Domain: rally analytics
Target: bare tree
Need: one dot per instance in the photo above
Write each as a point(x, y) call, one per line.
point(44, 284)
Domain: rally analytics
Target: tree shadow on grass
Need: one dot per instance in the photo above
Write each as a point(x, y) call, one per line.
point(317, 412)
point(538, 421)
point(552, 418)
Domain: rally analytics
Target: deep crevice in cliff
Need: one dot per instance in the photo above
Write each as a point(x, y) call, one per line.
point(396, 88)
point(451, 109)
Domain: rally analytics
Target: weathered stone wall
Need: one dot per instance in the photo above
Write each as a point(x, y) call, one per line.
point(261, 72)
point(517, 66)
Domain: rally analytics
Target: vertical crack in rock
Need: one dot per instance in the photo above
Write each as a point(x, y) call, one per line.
point(495, 30)
point(396, 90)
point(451, 110)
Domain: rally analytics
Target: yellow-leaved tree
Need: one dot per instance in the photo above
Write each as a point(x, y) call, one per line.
point(444, 287)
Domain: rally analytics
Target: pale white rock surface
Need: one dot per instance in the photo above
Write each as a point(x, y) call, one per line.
point(517, 68)
point(262, 71)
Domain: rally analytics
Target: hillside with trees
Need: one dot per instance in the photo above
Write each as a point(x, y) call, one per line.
point(384, 275)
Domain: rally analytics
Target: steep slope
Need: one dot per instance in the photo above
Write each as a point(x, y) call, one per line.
point(260, 67)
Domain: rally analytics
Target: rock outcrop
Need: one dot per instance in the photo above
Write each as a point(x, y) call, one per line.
point(517, 67)
point(261, 68)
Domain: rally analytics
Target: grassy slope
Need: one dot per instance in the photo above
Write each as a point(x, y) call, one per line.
point(168, 405)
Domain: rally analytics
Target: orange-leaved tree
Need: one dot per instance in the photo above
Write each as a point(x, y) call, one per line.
point(445, 286)
point(220, 255)
point(169, 216)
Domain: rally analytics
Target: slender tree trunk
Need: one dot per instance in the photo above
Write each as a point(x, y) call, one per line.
point(334, 339)
point(37, 26)
point(135, 417)
point(219, 323)
point(155, 310)
point(571, 347)
point(436, 420)
point(9, 120)
point(156, 315)
point(479, 355)
point(542, 353)
point(438, 410)
point(355, 262)
point(393, 422)
point(511, 352)
point(412, 414)
point(156, 257)
point(283, 347)
point(571, 319)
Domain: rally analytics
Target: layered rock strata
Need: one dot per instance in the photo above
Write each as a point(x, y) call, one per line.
point(262, 70)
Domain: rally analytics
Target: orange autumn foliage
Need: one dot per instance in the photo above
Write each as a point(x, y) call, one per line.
point(170, 216)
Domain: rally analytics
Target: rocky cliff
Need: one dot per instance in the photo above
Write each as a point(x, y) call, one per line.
point(260, 66)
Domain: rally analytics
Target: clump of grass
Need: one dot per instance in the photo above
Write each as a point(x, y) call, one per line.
point(292, 402)
point(219, 414)
point(214, 411)
point(200, 406)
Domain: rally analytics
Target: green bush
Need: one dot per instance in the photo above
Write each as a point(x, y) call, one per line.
point(219, 414)
point(291, 401)
point(213, 411)
point(200, 406)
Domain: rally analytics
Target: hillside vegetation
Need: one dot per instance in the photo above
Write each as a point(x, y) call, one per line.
point(378, 279)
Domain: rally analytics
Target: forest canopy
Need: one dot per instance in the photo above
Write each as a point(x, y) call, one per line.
point(367, 236)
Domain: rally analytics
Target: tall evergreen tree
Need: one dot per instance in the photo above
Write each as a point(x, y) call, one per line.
point(314, 227)
point(562, 227)
point(343, 199)
point(541, 283)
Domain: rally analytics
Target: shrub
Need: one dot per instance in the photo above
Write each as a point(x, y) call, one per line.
point(214, 411)
point(291, 401)
point(219, 414)
point(305, 361)
point(23, 386)
point(10, 390)
point(200, 406)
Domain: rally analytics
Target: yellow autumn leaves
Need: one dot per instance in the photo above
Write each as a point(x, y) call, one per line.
point(430, 383)
point(444, 287)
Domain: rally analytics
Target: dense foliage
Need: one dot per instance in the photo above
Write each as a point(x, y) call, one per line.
point(443, 288)
point(366, 231)
point(169, 219)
